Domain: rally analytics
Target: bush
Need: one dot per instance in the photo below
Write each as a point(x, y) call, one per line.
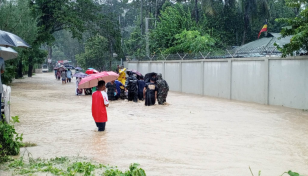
point(10, 140)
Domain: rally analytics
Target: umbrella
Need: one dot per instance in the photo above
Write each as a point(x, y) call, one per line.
point(5, 39)
point(80, 75)
point(135, 71)
point(8, 53)
point(148, 76)
point(60, 69)
point(18, 41)
point(92, 80)
point(9, 39)
point(78, 68)
point(91, 71)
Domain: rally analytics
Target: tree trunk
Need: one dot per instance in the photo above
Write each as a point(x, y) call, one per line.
point(141, 18)
point(196, 11)
point(30, 67)
point(244, 36)
point(19, 72)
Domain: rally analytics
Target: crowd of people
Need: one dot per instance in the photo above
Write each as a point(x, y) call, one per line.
point(132, 86)
point(65, 75)
point(136, 88)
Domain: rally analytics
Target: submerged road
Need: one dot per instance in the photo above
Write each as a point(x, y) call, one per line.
point(193, 135)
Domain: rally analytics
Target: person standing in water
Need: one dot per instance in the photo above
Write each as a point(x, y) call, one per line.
point(150, 92)
point(78, 91)
point(63, 75)
point(132, 87)
point(99, 104)
point(141, 85)
point(69, 75)
point(111, 90)
point(163, 89)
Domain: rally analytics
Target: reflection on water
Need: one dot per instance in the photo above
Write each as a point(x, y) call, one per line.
point(191, 136)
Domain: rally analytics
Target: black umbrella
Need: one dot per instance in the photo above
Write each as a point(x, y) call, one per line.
point(5, 39)
point(19, 42)
point(9, 39)
point(148, 76)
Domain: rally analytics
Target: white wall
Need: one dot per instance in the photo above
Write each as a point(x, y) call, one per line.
point(273, 81)
point(172, 76)
point(216, 79)
point(248, 81)
point(288, 83)
point(191, 77)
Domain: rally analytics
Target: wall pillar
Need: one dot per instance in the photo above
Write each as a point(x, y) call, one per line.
point(266, 81)
point(202, 77)
point(230, 78)
point(181, 90)
point(163, 70)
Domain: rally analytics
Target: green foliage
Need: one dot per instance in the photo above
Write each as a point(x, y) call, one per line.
point(57, 15)
point(290, 173)
point(10, 140)
point(96, 53)
point(133, 171)
point(135, 45)
point(191, 42)
point(173, 20)
point(63, 166)
point(298, 28)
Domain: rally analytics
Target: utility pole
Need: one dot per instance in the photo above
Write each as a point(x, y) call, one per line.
point(147, 35)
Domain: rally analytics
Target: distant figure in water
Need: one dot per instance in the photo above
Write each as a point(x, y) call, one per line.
point(163, 89)
point(58, 74)
point(63, 75)
point(150, 92)
point(78, 91)
point(141, 85)
point(69, 75)
point(99, 104)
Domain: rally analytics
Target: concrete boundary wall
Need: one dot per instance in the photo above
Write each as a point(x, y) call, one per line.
point(268, 80)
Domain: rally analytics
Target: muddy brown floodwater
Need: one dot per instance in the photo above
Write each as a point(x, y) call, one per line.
point(193, 135)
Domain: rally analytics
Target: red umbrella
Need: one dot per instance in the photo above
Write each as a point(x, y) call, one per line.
point(92, 80)
point(91, 71)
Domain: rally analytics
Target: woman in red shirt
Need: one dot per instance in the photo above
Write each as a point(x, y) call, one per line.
point(99, 104)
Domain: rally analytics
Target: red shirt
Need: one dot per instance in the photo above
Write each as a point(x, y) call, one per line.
point(99, 100)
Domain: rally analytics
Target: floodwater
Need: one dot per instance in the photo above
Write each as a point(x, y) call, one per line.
point(193, 135)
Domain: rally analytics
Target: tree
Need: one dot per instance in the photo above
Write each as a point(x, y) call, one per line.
point(298, 28)
point(191, 42)
point(57, 15)
point(173, 20)
point(96, 53)
point(19, 21)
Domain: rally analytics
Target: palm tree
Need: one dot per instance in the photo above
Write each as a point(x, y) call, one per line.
point(250, 9)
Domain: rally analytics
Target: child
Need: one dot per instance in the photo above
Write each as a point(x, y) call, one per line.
point(99, 104)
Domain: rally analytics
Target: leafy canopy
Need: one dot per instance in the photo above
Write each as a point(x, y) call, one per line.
point(298, 27)
point(191, 42)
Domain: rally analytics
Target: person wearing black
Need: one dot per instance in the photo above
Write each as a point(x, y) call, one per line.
point(131, 85)
point(141, 85)
point(150, 92)
point(112, 90)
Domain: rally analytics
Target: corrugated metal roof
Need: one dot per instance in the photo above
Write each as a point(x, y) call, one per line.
point(262, 46)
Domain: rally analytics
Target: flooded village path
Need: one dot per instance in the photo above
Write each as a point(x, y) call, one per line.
point(193, 135)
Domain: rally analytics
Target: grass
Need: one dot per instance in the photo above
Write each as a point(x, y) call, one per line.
point(28, 144)
point(65, 166)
